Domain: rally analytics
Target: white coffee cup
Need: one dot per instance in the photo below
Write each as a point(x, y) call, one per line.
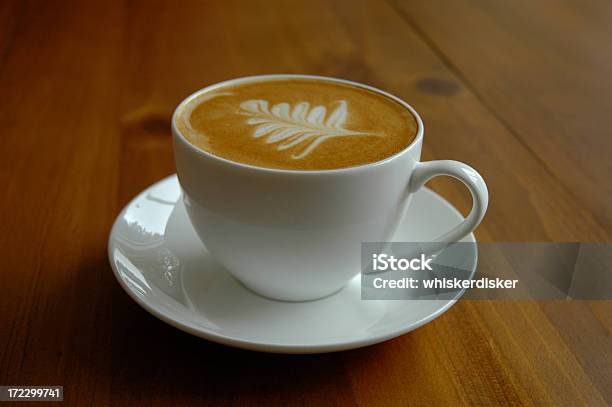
point(296, 235)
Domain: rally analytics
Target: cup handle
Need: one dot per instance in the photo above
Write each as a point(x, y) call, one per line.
point(424, 171)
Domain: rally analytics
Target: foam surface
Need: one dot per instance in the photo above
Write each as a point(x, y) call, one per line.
point(301, 124)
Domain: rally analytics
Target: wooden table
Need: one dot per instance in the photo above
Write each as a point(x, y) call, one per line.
point(521, 90)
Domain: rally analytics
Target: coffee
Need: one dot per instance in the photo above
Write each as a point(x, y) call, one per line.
point(297, 124)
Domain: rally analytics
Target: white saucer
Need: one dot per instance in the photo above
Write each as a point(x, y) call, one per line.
point(160, 262)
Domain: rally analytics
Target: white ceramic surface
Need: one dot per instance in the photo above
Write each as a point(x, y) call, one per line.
point(296, 235)
point(160, 262)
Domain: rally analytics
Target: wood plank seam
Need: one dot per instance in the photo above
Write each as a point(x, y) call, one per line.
point(466, 82)
point(10, 40)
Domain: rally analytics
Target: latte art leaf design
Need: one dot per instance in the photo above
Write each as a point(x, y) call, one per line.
point(299, 127)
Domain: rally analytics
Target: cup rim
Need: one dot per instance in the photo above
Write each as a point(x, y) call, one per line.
point(177, 133)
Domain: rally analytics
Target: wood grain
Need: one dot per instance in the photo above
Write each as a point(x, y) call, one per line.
point(88, 89)
point(543, 68)
point(59, 172)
